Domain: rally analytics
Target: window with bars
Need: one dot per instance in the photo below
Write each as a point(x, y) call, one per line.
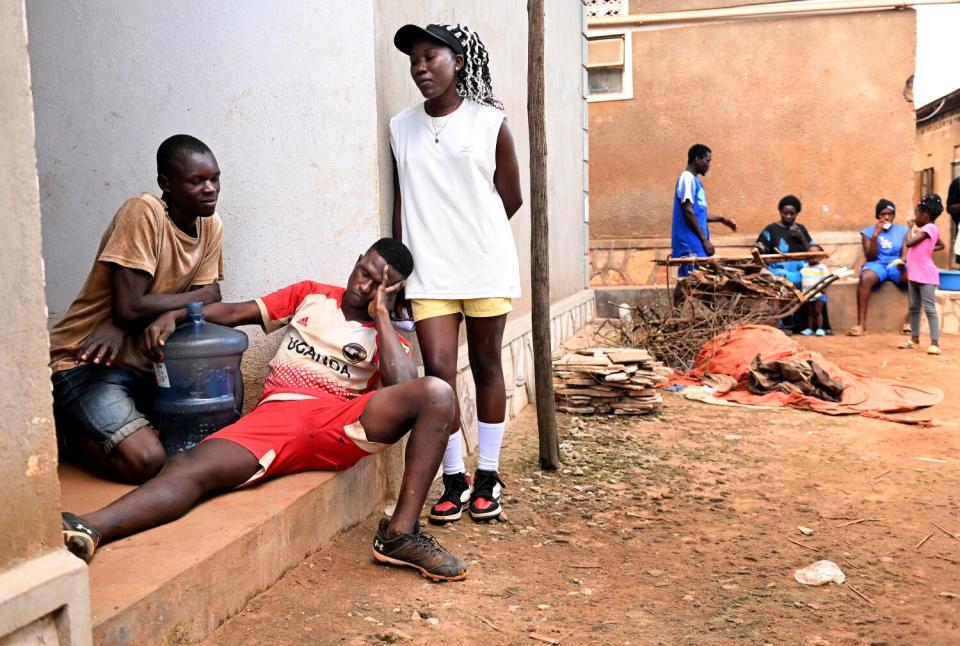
point(923, 184)
point(609, 54)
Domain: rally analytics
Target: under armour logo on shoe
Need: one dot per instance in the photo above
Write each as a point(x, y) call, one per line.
point(377, 545)
point(303, 320)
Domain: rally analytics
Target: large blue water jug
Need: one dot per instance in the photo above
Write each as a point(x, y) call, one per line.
point(199, 385)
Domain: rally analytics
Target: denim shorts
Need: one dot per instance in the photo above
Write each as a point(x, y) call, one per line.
point(102, 403)
point(884, 272)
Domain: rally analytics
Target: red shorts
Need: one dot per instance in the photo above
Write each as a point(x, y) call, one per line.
point(302, 435)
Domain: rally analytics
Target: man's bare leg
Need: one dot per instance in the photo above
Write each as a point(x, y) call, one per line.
point(426, 407)
point(136, 459)
point(184, 479)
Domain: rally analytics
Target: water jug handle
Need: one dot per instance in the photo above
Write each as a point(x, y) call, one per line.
point(195, 311)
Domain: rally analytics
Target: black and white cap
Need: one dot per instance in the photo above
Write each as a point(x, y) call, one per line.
point(407, 35)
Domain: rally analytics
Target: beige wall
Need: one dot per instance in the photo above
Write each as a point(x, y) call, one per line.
point(29, 512)
point(811, 105)
point(44, 596)
point(935, 143)
point(502, 25)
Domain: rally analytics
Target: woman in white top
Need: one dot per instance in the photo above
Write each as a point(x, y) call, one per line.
point(456, 185)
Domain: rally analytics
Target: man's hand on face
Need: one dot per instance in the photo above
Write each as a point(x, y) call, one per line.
point(381, 303)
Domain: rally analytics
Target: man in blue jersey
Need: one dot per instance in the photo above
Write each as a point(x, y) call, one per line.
point(690, 235)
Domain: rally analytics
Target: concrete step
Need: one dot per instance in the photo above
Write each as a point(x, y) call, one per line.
point(178, 582)
point(886, 312)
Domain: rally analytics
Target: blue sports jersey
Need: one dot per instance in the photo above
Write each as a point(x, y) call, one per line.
point(683, 240)
point(889, 243)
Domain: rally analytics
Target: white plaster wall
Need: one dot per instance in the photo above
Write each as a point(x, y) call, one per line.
point(282, 91)
point(502, 25)
point(566, 147)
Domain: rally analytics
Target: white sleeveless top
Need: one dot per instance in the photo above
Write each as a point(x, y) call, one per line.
point(453, 218)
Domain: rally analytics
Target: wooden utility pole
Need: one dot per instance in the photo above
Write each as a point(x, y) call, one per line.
point(540, 241)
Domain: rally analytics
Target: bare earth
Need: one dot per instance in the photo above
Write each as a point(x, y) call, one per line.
point(676, 529)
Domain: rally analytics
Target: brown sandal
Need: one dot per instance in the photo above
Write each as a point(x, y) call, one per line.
point(856, 330)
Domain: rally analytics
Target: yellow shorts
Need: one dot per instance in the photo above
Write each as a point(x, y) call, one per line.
point(428, 308)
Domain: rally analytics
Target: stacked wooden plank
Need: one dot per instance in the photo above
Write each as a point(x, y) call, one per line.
point(603, 381)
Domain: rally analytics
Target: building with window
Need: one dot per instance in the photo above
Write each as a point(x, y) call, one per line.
point(810, 103)
point(937, 160)
point(294, 98)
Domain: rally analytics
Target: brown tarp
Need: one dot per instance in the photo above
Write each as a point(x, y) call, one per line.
point(751, 351)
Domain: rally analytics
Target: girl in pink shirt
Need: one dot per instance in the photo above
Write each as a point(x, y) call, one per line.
point(924, 276)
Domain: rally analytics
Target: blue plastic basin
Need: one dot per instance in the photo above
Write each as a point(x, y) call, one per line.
point(950, 280)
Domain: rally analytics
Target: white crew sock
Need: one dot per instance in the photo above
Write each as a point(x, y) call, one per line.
point(490, 437)
point(453, 456)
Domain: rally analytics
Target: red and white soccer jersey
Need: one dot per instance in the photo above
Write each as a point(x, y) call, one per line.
point(322, 353)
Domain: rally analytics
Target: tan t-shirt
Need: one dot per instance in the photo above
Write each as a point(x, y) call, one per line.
point(141, 236)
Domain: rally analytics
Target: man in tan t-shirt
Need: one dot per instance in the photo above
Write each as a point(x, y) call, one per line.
point(157, 255)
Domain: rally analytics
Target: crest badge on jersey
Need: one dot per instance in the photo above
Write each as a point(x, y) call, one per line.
point(354, 352)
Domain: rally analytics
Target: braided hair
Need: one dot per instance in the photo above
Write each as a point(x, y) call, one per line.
point(473, 79)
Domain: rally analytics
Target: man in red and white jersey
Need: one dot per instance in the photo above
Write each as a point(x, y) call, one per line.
point(320, 409)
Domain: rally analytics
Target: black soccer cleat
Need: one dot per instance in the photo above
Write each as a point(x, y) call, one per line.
point(420, 551)
point(81, 539)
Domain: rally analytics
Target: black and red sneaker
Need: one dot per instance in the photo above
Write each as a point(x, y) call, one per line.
point(456, 495)
point(485, 500)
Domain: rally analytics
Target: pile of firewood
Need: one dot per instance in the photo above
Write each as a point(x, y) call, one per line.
point(719, 295)
point(747, 289)
point(605, 381)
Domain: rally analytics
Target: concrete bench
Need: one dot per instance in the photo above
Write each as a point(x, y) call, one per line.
point(888, 305)
point(178, 582)
point(887, 309)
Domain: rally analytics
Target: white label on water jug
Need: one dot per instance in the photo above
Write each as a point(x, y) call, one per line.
point(163, 379)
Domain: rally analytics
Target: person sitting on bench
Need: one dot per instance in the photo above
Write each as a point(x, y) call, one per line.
point(319, 410)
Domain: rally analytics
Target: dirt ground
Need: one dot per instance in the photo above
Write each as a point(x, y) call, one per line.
point(676, 529)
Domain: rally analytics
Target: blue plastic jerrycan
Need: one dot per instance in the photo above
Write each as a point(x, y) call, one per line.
point(199, 385)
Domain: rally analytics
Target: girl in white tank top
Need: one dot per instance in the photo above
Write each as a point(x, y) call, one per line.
point(456, 185)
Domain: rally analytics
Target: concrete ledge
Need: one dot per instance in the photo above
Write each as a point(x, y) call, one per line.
point(887, 309)
point(44, 601)
point(885, 313)
point(721, 240)
point(180, 581)
point(608, 298)
point(888, 305)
